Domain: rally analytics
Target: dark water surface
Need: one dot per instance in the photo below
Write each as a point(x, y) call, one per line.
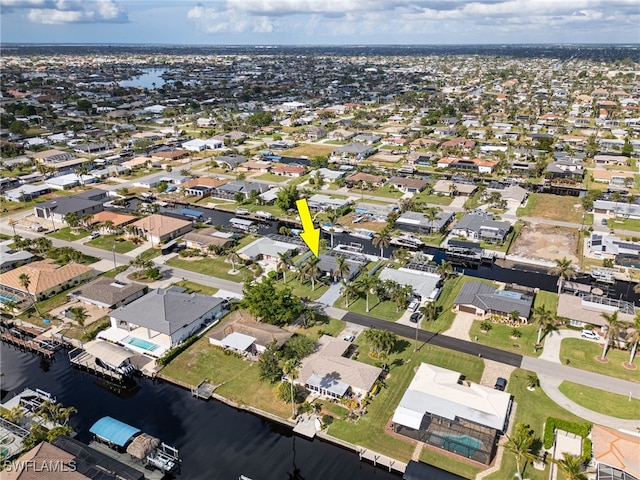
point(215, 441)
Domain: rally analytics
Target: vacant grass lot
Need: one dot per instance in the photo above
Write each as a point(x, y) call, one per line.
point(303, 290)
point(68, 234)
point(582, 354)
point(500, 337)
point(607, 403)
point(107, 242)
point(309, 150)
point(370, 430)
point(214, 267)
point(239, 378)
point(422, 198)
point(385, 310)
point(533, 408)
point(624, 224)
point(554, 207)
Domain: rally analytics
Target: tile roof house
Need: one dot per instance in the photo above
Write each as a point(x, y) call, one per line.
point(46, 277)
point(202, 239)
point(289, 170)
point(108, 293)
point(588, 309)
point(482, 299)
point(329, 373)
point(202, 186)
point(465, 163)
point(477, 226)
point(118, 220)
point(408, 185)
point(361, 177)
point(615, 453)
point(166, 317)
point(158, 228)
point(37, 463)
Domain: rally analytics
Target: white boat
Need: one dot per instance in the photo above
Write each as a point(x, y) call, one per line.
point(408, 241)
point(333, 228)
point(362, 233)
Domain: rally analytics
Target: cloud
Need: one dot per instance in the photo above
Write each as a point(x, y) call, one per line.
point(352, 18)
point(68, 11)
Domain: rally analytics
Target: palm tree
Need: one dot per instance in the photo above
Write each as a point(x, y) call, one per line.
point(348, 290)
point(108, 226)
point(429, 311)
point(80, 314)
point(283, 264)
point(366, 284)
point(310, 271)
point(72, 220)
point(445, 269)
point(431, 214)
point(25, 282)
point(10, 307)
point(381, 240)
point(290, 369)
point(520, 445)
point(544, 320)
point(140, 263)
point(564, 269)
point(80, 171)
point(613, 332)
point(233, 257)
point(570, 466)
point(342, 268)
point(633, 337)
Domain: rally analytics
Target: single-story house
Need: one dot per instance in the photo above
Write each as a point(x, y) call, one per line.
point(231, 161)
point(423, 283)
point(612, 245)
point(324, 202)
point(351, 152)
point(170, 155)
point(359, 178)
point(65, 182)
point(621, 208)
point(159, 228)
point(615, 453)
point(329, 373)
point(479, 165)
point(328, 264)
point(483, 299)
point(230, 189)
point(52, 156)
point(417, 222)
point(10, 258)
point(441, 409)
point(163, 319)
point(588, 309)
point(477, 226)
point(613, 177)
point(202, 186)
point(118, 220)
point(447, 187)
point(108, 293)
point(368, 138)
point(267, 248)
point(241, 329)
point(46, 278)
point(204, 238)
point(26, 192)
point(408, 185)
point(289, 170)
point(172, 178)
point(375, 212)
point(331, 175)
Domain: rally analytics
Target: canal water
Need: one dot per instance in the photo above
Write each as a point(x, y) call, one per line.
point(150, 77)
point(215, 440)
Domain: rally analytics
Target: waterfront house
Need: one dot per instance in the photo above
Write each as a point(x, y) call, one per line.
point(408, 185)
point(483, 299)
point(159, 228)
point(615, 453)
point(481, 226)
point(10, 258)
point(441, 409)
point(587, 309)
point(161, 319)
point(204, 238)
point(202, 186)
point(266, 248)
point(417, 222)
point(422, 283)
point(80, 205)
point(479, 165)
point(330, 373)
point(107, 293)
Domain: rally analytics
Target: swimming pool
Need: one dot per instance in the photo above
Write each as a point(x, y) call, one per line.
point(461, 444)
point(6, 298)
point(140, 343)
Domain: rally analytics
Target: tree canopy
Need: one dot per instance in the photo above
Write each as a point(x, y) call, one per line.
point(270, 304)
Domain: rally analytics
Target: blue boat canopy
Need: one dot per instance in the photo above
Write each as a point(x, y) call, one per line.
point(113, 431)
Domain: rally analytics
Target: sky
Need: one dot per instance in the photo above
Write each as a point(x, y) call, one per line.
point(319, 22)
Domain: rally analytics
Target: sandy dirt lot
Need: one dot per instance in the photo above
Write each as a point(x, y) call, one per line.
point(546, 242)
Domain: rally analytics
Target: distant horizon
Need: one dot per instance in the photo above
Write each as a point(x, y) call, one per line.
point(272, 45)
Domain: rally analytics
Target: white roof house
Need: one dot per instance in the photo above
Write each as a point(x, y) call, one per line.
point(423, 283)
point(266, 247)
point(438, 391)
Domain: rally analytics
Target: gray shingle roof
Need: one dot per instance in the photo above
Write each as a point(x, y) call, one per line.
point(487, 297)
point(106, 291)
point(166, 311)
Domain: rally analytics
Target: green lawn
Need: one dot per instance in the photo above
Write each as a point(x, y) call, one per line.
point(554, 207)
point(323, 326)
point(601, 401)
point(448, 463)
point(69, 234)
point(588, 219)
point(386, 310)
point(547, 299)
point(581, 354)
point(369, 431)
point(15, 207)
point(135, 174)
point(421, 198)
point(500, 337)
point(240, 378)
point(387, 191)
point(107, 242)
point(533, 408)
point(193, 287)
point(624, 224)
point(271, 177)
point(214, 267)
point(150, 253)
point(303, 290)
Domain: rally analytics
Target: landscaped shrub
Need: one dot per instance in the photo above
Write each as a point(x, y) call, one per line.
point(175, 351)
point(485, 326)
point(581, 429)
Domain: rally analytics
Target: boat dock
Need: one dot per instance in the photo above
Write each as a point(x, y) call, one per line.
point(203, 391)
point(83, 360)
point(306, 426)
point(128, 460)
point(26, 345)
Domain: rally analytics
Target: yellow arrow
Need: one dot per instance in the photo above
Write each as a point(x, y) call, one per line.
point(310, 235)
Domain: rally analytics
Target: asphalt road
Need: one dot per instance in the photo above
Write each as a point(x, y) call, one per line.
point(431, 338)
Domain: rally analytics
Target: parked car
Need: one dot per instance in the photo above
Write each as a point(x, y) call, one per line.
point(604, 222)
point(501, 384)
point(349, 338)
point(413, 306)
point(415, 316)
point(94, 235)
point(591, 335)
